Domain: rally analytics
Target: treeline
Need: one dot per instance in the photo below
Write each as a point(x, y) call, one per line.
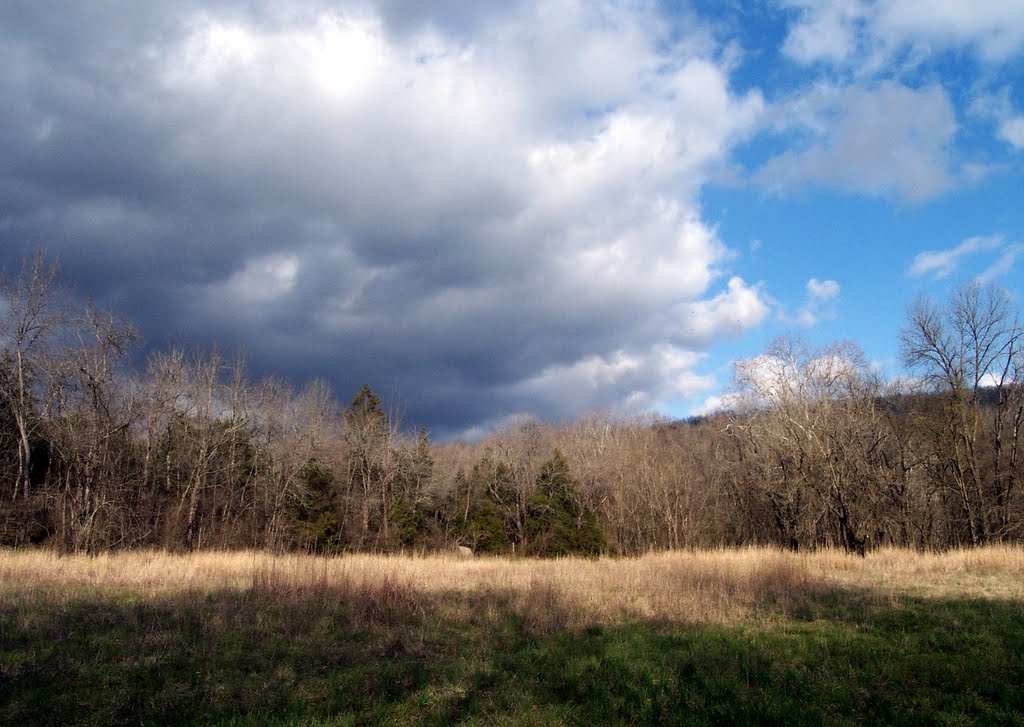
point(816, 450)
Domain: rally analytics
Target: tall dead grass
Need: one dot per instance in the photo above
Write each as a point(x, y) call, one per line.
point(712, 586)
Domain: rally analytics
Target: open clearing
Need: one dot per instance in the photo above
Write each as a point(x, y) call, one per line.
point(727, 636)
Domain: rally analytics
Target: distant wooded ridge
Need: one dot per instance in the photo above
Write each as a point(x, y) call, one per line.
point(815, 449)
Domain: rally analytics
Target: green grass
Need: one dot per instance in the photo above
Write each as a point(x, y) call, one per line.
point(394, 657)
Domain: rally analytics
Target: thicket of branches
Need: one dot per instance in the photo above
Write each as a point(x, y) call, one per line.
point(817, 449)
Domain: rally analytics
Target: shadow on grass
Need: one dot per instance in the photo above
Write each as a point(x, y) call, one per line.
point(325, 657)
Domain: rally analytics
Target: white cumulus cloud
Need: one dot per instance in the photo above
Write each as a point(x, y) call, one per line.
point(1012, 131)
point(940, 264)
point(884, 140)
point(870, 32)
point(819, 303)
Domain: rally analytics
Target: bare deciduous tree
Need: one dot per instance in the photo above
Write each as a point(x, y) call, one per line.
point(973, 344)
point(33, 314)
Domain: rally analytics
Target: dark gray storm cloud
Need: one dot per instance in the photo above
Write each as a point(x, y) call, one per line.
point(486, 208)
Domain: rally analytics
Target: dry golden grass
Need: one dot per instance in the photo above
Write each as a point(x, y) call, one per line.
point(995, 571)
point(711, 586)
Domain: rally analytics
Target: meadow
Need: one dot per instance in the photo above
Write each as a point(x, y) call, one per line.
point(686, 637)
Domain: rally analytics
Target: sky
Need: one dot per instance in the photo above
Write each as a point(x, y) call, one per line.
point(495, 209)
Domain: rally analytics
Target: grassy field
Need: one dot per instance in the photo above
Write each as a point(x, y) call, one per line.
point(715, 637)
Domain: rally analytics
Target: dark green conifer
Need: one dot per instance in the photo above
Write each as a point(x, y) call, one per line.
point(557, 524)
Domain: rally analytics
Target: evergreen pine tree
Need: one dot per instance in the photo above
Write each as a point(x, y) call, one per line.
point(556, 522)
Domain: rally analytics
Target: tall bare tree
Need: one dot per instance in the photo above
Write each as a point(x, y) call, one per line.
point(33, 315)
point(814, 413)
point(90, 415)
point(971, 345)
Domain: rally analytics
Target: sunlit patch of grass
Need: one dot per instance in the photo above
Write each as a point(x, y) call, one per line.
point(702, 586)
